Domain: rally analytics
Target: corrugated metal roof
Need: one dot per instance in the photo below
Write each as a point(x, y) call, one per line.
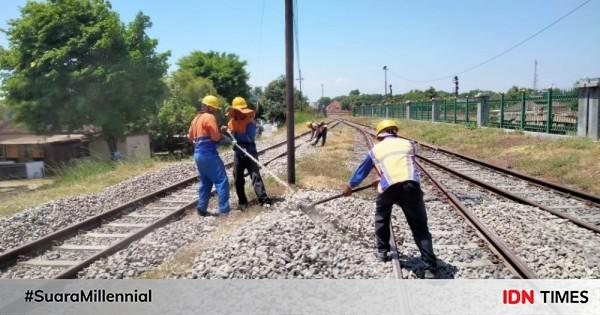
point(40, 139)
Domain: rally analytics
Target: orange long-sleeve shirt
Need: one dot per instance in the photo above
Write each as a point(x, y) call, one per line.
point(204, 125)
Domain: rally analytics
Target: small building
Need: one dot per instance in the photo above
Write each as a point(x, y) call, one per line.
point(26, 155)
point(335, 109)
point(134, 146)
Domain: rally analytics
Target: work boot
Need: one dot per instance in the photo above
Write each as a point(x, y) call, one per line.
point(266, 203)
point(430, 274)
point(382, 256)
point(243, 206)
point(224, 214)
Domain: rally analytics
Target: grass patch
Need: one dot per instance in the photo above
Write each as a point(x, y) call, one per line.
point(302, 117)
point(327, 167)
point(81, 177)
point(568, 161)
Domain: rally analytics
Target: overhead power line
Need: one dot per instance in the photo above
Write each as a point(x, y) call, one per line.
point(260, 38)
point(500, 54)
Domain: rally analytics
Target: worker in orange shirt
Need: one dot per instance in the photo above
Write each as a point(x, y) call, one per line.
point(243, 128)
point(204, 133)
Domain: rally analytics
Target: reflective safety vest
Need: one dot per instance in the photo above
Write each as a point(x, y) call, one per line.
point(394, 159)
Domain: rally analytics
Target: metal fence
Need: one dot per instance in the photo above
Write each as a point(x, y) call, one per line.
point(549, 112)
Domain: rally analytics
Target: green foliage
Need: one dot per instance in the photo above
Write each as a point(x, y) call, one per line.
point(73, 63)
point(300, 117)
point(177, 112)
point(254, 98)
point(354, 93)
point(323, 102)
point(226, 71)
point(354, 98)
point(273, 100)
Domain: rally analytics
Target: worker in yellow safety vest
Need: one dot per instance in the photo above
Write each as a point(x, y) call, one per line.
point(394, 160)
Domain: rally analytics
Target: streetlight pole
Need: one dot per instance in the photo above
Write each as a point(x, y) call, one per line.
point(385, 69)
point(289, 89)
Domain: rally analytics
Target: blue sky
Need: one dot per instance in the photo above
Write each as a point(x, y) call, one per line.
point(344, 44)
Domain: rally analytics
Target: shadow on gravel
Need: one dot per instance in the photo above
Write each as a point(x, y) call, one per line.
point(415, 265)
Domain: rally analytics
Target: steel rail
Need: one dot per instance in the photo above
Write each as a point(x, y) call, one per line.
point(72, 271)
point(514, 197)
point(10, 256)
point(582, 223)
point(540, 182)
point(490, 237)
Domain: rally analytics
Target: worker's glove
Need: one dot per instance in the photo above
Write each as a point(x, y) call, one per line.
point(223, 129)
point(347, 190)
point(233, 142)
point(375, 183)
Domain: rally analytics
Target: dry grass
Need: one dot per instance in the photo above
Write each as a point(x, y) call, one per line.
point(572, 161)
point(327, 168)
point(75, 184)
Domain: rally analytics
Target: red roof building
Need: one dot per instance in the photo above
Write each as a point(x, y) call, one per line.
point(335, 109)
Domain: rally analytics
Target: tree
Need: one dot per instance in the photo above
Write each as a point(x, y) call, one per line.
point(177, 111)
point(72, 63)
point(226, 71)
point(323, 102)
point(354, 93)
point(272, 102)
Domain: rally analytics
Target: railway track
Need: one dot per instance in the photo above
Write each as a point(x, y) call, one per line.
point(478, 258)
point(576, 206)
point(533, 236)
point(63, 253)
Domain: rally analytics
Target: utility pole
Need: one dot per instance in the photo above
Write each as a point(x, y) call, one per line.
point(322, 90)
point(289, 89)
point(456, 86)
point(535, 75)
point(300, 79)
point(385, 69)
point(391, 91)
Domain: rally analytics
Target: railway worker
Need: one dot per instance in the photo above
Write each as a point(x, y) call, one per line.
point(321, 130)
point(394, 160)
point(313, 128)
point(243, 128)
point(204, 133)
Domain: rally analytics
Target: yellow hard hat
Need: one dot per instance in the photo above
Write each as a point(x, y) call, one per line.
point(211, 101)
point(385, 124)
point(308, 124)
point(239, 103)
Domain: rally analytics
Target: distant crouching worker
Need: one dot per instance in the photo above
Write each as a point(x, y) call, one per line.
point(313, 129)
point(394, 160)
point(321, 130)
point(242, 126)
point(204, 133)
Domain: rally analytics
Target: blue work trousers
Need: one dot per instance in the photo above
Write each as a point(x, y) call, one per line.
point(212, 172)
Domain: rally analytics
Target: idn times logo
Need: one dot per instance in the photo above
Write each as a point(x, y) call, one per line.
point(515, 296)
